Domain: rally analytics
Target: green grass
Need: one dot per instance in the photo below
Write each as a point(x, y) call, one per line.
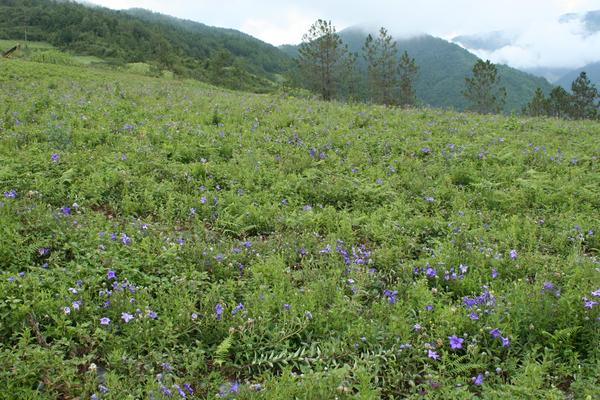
point(311, 215)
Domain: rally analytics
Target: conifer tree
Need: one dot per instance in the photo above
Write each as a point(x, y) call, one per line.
point(558, 104)
point(408, 74)
point(381, 55)
point(483, 90)
point(583, 99)
point(538, 106)
point(321, 58)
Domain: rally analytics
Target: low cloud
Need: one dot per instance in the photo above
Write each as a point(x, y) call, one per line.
point(564, 43)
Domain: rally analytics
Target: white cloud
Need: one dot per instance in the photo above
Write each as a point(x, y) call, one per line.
point(541, 40)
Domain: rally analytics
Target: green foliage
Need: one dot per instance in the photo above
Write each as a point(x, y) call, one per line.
point(583, 100)
point(344, 243)
point(322, 58)
point(482, 89)
point(186, 48)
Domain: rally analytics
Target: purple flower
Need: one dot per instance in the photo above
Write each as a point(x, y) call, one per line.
point(391, 295)
point(111, 274)
point(596, 293)
point(474, 316)
point(237, 308)
point(433, 355)
point(102, 389)
point(505, 341)
point(11, 194)
point(55, 157)
point(77, 304)
point(589, 303)
point(429, 198)
point(203, 200)
point(495, 332)
point(219, 257)
point(429, 307)
point(431, 272)
point(513, 254)
point(67, 310)
point(417, 327)
point(66, 210)
point(166, 391)
point(194, 316)
point(219, 311)
point(180, 391)
point(126, 317)
point(188, 387)
point(477, 380)
point(104, 321)
point(125, 239)
point(152, 315)
point(494, 273)
point(287, 307)
point(455, 342)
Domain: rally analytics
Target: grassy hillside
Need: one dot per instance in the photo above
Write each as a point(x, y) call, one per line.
point(164, 238)
point(222, 56)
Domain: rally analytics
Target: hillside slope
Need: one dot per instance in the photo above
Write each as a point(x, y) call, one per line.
point(592, 71)
point(161, 237)
point(187, 48)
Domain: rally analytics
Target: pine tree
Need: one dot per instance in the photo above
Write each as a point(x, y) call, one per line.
point(381, 55)
point(538, 106)
point(483, 90)
point(583, 100)
point(321, 58)
point(558, 104)
point(408, 74)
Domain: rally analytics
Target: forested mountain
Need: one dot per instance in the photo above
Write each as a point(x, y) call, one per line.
point(443, 67)
point(228, 57)
point(592, 71)
point(188, 48)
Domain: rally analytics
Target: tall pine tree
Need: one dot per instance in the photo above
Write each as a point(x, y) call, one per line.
point(408, 74)
point(381, 55)
point(483, 90)
point(538, 106)
point(583, 99)
point(322, 57)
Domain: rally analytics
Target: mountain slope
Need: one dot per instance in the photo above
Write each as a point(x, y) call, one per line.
point(443, 68)
point(593, 73)
point(186, 47)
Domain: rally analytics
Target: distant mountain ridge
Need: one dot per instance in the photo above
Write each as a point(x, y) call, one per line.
point(443, 67)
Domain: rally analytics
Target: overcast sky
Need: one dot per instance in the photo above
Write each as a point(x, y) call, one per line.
point(540, 39)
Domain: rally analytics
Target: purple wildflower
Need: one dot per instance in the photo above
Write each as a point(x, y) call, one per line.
point(180, 391)
point(111, 274)
point(102, 389)
point(152, 315)
point(513, 254)
point(505, 341)
point(287, 307)
point(494, 273)
point(391, 295)
point(433, 355)
point(495, 332)
point(596, 293)
point(237, 308)
point(455, 342)
point(11, 194)
point(125, 239)
point(66, 210)
point(219, 311)
point(126, 317)
point(477, 380)
point(104, 321)
point(474, 316)
point(55, 157)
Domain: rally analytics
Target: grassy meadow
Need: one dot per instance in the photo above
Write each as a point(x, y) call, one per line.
point(162, 238)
